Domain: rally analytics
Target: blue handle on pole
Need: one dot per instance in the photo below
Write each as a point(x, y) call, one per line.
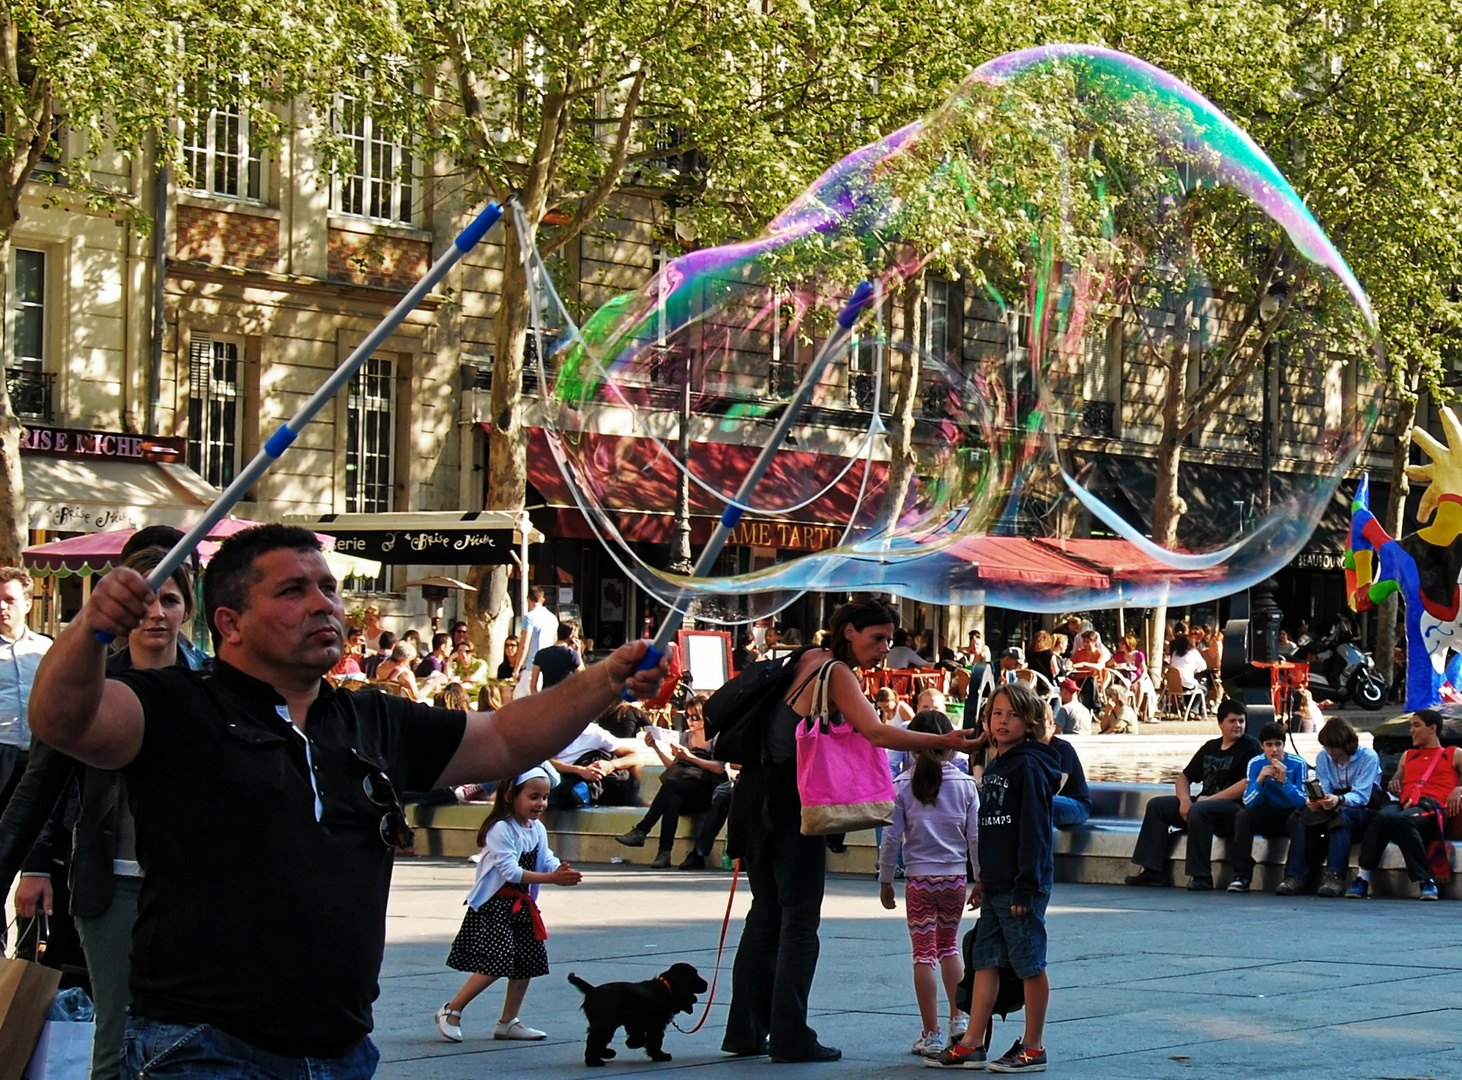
point(469, 237)
point(651, 659)
point(861, 298)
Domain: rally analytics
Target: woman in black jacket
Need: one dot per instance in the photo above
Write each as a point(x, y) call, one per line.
point(104, 878)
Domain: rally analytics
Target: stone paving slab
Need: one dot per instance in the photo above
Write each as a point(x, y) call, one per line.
point(1146, 983)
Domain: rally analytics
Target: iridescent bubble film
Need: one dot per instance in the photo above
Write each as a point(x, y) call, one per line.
point(1085, 273)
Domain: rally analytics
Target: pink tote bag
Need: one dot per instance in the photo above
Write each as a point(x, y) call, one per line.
point(842, 778)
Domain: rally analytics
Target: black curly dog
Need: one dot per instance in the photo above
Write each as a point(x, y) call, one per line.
point(643, 1009)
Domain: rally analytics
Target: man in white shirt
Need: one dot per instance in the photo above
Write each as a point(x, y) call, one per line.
point(1072, 718)
point(902, 656)
point(592, 757)
point(540, 630)
point(21, 650)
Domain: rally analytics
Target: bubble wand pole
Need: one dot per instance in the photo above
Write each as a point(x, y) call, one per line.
point(860, 299)
point(282, 439)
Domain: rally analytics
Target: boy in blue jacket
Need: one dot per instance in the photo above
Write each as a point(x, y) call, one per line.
point(1276, 790)
point(1017, 868)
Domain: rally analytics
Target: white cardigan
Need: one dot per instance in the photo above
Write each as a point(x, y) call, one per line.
point(506, 842)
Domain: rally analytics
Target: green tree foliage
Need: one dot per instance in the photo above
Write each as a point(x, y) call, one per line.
point(81, 77)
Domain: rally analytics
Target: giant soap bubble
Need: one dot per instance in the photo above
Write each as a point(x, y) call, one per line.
point(1085, 272)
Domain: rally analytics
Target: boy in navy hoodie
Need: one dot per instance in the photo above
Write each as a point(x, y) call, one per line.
point(1017, 868)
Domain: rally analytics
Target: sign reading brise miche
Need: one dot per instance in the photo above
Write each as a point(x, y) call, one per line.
point(113, 445)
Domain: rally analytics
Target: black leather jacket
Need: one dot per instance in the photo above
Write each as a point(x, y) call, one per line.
point(41, 831)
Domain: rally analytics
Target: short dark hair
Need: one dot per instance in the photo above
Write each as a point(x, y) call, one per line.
point(231, 573)
point(537, 593)
point(438, 640)
point(860, 615)
point(1232, 707)
point(566, 629)
point(153, 536)
point(1271, 731)
point(386, 640)
point(1431, 718)
point(1339, 735)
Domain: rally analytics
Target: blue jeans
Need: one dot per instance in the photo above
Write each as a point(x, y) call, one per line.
point(1306, 839)
point(201, 1052)
point(1004, 939)
point(1066, 811)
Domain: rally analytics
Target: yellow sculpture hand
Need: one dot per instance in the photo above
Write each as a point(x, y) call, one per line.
point(1444, 474)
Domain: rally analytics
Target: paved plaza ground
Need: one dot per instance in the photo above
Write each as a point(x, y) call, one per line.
point(1145, 983)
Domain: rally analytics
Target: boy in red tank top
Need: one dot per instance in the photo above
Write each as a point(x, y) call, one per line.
point(1429, 784)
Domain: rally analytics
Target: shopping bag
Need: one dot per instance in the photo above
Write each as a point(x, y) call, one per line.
point(63, 1052)
point(26, 993)
point(842, 778)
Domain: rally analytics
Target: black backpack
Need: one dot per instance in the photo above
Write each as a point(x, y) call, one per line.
point(736, 714)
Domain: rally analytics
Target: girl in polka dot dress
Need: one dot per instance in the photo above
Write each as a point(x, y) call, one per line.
point(502, 933)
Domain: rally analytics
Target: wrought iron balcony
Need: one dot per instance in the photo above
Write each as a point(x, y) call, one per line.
point(1097, 418)
point(1254, 436)
point(30, 393)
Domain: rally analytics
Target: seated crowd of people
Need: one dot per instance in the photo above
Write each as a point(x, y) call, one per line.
point(1247, 788)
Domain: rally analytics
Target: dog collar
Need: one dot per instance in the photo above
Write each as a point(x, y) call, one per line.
point(662, 980)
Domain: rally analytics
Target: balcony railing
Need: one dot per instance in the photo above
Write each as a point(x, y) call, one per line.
point(30, 393)
point(1096, 418)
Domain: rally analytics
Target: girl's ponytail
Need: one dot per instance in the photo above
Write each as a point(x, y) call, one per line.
point(929, 764)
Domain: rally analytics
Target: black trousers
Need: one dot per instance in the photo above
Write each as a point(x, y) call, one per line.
point(777, 956)
point(63, 950)
point(1250, 822)
point(716, 816)
point(1408, 829)
point(1206, 819)
point(676, 796)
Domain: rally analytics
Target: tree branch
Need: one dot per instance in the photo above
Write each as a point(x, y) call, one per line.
point(599, 195)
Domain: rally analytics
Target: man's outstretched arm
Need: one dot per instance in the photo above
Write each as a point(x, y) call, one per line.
point(72, 705)
point(529, 730)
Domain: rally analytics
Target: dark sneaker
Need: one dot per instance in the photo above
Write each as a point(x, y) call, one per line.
point(817, 1053)
point(694, 861)
point(660, 861)
point(1238, 884)
point(1358, 890)
point(1428, 890)
point(958, 1056)
point(633, 838)
point(1019, 1059)
point(1200, 884)
point(1292, 885)
point(1333, 885)
point(1152, 878)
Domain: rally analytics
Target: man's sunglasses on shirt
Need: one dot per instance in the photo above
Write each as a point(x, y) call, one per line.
point(395, 831)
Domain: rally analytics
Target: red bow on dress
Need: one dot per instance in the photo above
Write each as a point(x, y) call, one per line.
point(520, 896)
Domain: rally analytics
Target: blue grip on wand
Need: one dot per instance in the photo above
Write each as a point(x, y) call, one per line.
point(282, 439)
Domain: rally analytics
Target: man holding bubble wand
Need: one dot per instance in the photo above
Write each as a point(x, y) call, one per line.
point(266, 802)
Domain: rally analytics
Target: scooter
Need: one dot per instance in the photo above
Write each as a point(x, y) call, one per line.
point(1347, 671)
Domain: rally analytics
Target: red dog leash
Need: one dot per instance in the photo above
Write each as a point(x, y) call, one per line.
point(720, 948)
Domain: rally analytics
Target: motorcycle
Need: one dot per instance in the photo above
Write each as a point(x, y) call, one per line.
point(1345, 671)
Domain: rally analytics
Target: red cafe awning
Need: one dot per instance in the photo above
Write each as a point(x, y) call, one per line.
point(1030, 562)
point(640, 488)
point(1121, 558)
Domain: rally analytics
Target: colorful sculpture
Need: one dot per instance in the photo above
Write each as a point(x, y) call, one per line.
point(1424, 567)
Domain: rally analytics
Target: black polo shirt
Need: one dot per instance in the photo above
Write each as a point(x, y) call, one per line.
point(256, 916)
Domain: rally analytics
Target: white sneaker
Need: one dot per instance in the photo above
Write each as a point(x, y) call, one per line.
point(452, 1032)
point(928, 1044)
point(958, 1025)
point(516, 1029)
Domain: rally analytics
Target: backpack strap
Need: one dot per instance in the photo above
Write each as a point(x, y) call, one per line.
point(803, 684)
